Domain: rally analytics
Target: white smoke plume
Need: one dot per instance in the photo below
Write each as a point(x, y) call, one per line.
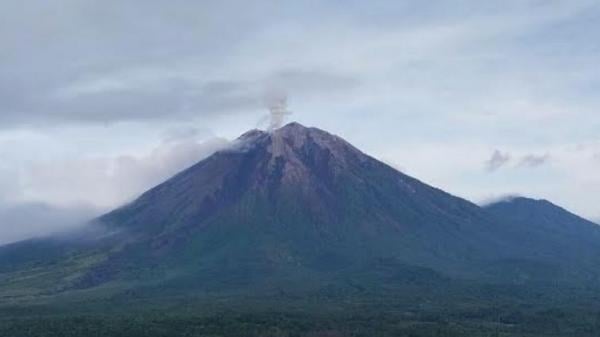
point(277, 104)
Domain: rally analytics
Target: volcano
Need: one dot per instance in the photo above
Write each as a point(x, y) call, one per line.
point(300, 210)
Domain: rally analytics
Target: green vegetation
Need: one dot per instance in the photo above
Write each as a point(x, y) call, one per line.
point(454, 309)
point(394, 320)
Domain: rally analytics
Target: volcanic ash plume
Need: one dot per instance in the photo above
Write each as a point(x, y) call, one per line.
point(278, 110)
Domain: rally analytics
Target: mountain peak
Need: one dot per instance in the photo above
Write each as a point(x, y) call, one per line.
point(295, 143)
point(298, 136)
point(291, 130)
point(520, 203)
point(293, 126)
point(295, 130)
point(537, 212)
point(521, 200)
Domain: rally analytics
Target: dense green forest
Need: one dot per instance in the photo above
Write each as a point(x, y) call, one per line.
point(485, 322)
point(488, 312)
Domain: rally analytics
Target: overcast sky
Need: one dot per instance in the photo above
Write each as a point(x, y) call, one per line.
point(100, 100)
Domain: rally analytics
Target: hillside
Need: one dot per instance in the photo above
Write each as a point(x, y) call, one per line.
point(301, 211)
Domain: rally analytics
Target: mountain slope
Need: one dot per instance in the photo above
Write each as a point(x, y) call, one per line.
point(551, 235)
point(298, 209)
point(297, 201)
point(542, 215)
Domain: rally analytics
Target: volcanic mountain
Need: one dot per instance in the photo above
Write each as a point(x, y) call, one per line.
point(300, 209)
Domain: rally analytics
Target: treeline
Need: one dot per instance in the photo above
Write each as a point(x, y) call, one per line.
point(546, 323)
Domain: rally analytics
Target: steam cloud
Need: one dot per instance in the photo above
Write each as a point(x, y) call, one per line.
point(532, 160)
point(497, 160)
point(277, 104)
point(501, 159)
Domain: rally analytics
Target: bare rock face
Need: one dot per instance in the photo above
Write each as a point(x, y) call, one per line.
point(294, 150)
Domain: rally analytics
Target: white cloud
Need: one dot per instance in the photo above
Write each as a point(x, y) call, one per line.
point(27, 220)
point(107, 182)
point(52, 196)
point(532, 160)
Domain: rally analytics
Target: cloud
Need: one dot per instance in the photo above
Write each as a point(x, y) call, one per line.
point(96, 63)
point(493, 199)
point(497, 160)
point(57, 195)
point(27, 220)
point(311, 81)
point(177, 134)
point(9, 184)
point(48, 196)
point(107, 182)
point(532, 160)
point(126, 97)
point(501, 159)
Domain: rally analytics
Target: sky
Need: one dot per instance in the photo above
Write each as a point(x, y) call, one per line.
point(101, 100)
